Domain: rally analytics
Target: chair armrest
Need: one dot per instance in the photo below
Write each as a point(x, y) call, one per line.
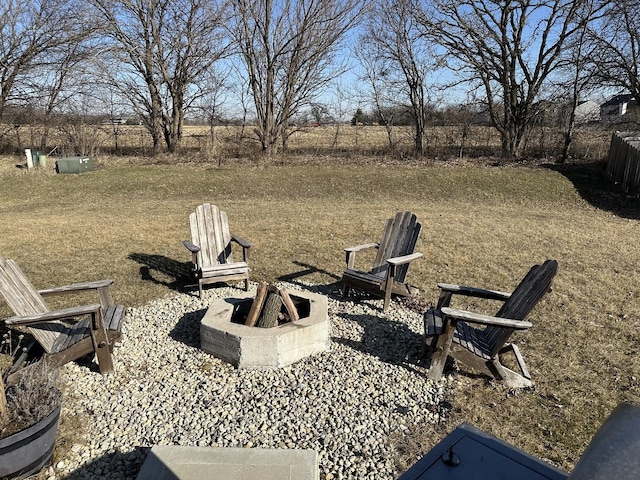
point(474, 292)
point(77, 287)
point(357, 248)
point(404, 259)
point(190, 246)
point(350, 252)
point(241, 241)
point(472, 317)
point(54, 315)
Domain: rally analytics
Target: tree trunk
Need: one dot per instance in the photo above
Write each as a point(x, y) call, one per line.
point(511, 141)
point(419, 140)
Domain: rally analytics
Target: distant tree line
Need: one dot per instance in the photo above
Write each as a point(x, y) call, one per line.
point(271, 61)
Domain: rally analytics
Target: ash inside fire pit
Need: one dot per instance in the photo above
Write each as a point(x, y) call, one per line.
point(301, 329)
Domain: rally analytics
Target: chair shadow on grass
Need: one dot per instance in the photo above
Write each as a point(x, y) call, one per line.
point(163, 270)
point(128, 464)
point(308, 269)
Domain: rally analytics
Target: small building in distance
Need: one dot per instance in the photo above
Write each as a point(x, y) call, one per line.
point(620, 108)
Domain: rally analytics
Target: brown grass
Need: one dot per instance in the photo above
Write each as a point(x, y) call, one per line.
point(483, 226)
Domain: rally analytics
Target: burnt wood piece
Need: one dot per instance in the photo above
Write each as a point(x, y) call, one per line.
point(395, 253)
point(289, 305)
point(67, 334)
point(449, 332)
point(256, 305)
point(210, 247)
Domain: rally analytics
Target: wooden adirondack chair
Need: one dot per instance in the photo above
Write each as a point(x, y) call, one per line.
point(449, 331)
point(68, 334)
point(395, 252)
point(210, 248)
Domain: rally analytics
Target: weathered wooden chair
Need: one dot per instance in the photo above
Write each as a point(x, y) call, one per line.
point(210, 248)
point(395, 252)
point(449, 331)
point(68, 334)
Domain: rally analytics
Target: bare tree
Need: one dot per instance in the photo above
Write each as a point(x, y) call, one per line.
point(384, 91)
point(511, 47)
point(210, 104)
point(160, 50)
point(401, 57)
point(211, 108)
point(577, 72)
point(288, 48)
point(31, 32)
point(338, 109)
point(616, 36)
point(463, 116)
point(80, 127)
point(61, 75)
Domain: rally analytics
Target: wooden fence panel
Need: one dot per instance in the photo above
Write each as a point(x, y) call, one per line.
point(623, 165)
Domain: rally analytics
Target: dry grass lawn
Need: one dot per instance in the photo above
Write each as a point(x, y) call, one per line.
point(483, 226)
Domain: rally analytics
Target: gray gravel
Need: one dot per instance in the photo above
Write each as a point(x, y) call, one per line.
point(345, 403)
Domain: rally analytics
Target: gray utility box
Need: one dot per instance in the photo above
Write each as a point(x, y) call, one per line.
point(74, 165)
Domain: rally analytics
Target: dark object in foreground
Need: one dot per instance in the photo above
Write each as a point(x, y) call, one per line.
point(395, 252)
point(471, 454)
point(29, 415)
point(449, 332)
point(28, 451)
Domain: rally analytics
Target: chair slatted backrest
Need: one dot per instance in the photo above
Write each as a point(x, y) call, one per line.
point(523, 299)
point(399, 238)
point(210, 231)
point(24, 299)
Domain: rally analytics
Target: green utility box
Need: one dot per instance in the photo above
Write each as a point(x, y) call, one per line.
point(74, 165)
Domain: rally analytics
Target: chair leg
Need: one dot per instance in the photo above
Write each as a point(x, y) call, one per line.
point(345, 290)
point(388, 287)
point(387, 299)
point(101, 344)
point(200, 287)
point(520, 360)
point(246, 285)
point(440, 351)
point(509, 377)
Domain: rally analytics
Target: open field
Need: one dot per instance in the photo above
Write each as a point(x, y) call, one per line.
point(482, 226)
point(227, 144)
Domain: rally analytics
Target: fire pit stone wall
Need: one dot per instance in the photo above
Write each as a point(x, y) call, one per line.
point(264, 348)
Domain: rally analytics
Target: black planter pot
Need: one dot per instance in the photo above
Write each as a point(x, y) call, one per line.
point(27, 451)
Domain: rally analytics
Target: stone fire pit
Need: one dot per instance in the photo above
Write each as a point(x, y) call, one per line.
point(224, 335)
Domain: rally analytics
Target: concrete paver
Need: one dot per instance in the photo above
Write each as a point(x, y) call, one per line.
point(173, 462)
